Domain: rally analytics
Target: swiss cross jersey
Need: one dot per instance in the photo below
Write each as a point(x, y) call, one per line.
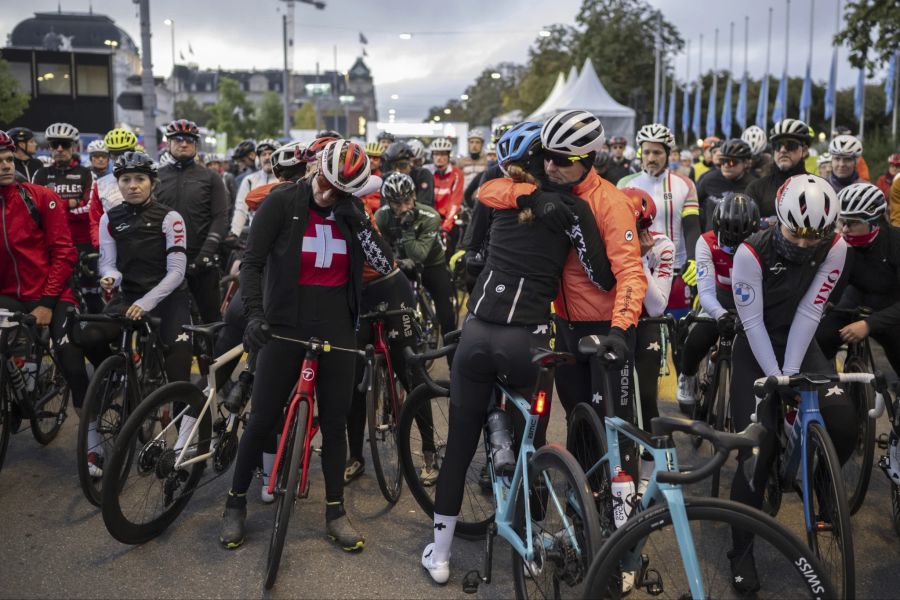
point(73, 185)
point(324, 260)
point(675, 197)
point(713, 275)
point(780, 302)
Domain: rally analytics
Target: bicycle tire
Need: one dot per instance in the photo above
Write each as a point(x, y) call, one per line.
point(5, 420)
point(382, 425)
point(431, 327)
point(287, 486)
point(722, 406)
point(820, 448)
point(578, 499)
point(96, 401)
point(46, 426)
point(150, 460)
point(857, 471)
point(586, 442)
point(895, 507)
point(477, 510)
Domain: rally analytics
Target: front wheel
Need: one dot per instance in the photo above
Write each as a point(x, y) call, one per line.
point(643, 559)
point(858, 469)
point(381, 413)
point(49, 419)
point(563, 526)
point(5, 420)
point(721, 412)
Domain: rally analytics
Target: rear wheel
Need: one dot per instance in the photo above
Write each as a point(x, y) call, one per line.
point(5, 420)
point(586, 442)
point(721, 413)
point(50, 384)
point(858, 469)
point(382, 420)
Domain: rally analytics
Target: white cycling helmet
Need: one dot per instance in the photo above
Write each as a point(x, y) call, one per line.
point(573, 132)
point(807, 206)
point(345, 165)
point(655, 132)
point(289, 155)
point(97, 147)
point(845, 145)
point(417, 147)
point(440, 145)
point(62, 131)
point(756, 137)
point(823, 159)
point(477, 133)
point(267, 143)
point(862, 201)
point(791, 128)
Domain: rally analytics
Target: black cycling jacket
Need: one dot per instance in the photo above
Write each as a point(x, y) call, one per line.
point(875, 279)
point(764, 189)
point(199, 196)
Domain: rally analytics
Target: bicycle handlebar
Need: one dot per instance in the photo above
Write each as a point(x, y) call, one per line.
point(323, 345)
point(375, 314)
point(27, 319)
point(152, 321)
point(764, 386)
point(859, 312)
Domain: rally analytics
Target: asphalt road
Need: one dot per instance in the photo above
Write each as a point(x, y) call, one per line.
point(54, 544)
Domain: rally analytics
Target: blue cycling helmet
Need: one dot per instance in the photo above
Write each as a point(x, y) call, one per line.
point(519, 143)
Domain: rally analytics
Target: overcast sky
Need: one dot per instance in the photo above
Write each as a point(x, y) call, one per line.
point(452, 41)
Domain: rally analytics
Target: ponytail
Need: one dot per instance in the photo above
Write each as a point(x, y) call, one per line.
point(519, 175)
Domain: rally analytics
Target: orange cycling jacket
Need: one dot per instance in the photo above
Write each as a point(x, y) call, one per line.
point(578, 298)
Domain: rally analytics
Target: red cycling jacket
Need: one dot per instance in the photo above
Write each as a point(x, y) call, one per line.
point(37, 260)
point(449, 188)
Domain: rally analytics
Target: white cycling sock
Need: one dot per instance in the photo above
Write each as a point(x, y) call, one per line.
point(94, 442)
point(444, 527)
point(268, 463)
point(184, 431)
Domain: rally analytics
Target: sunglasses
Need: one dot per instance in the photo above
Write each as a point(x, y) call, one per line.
point(788, 145)
point(561, 160)
point(851, 222)
point(808, 233)
point(60, 144)
point(184, 138)
point(730, 162)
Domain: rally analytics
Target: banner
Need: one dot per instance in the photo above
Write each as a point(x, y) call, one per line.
point(686, 110)
point(695, 124)
point(762, 103)
point(711, 112)
point(670, 122)
point(831, 88)
point(726, 110)
point(858, 95)
point(780, 111)
point(740, 113)
point(806, 93)
point(889, 90)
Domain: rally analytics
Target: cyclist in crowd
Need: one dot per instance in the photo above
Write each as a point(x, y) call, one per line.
point(677, 210)
point(38, 259)
point(243, 158)
point(618, 167)
point(418, 150)
point(885, 179)
point(99, 157)
point(707, 160)
point(73, 183)
point(861, 166)
point(601, 163)
point(310, 290)
point(105, 193)
point(241, 216)
point(686, 164)
point(873, 266)
point(790, 142)
point(219, 165)
point(762, 159)
point(26, 145)
point(509, 312)
point(374, 152)
point(142, 253)
point(475, 162)
point(198, 195)
point(845, 151)
point(399, 157)
point(783, 276)
point(823, 162)
point(448, 189)
point(735, 218)
point(385, 139)
point(733, 175)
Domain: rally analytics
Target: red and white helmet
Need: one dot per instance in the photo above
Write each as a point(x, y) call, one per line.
point(807, 206)
point(345, 165)
point(6, 143)
point(573, 132)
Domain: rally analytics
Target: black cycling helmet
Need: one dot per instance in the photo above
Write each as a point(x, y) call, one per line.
point(243, 149)
point(735, 148)
point(384, 135)
point(135, 162)
point(20, 134)
point(397, 151)
point(397, 187)
point(329, 133)
point(735, 219)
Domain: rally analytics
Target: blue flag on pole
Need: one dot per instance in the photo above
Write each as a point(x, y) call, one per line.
point(889, 90)
point(726, 110)
point(780, 110)
point(858, 95)
point(740, 113)
point(686, 110)
point(762, 103)
point(711, 111)
point(661, 115)
point(806, 93)
point(831, 88)
point(670, 122)
point(695, 124)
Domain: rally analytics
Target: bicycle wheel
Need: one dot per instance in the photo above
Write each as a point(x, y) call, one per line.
point(5, 420)
point(858, 469)
point(565, 530)
point(721, 412)
point(646, 553)
point(895, 506)
point(383, 433)
point(422, 438)
point(586, 442)
point(286, 489)
point(102, 416)
point(48, 421)
point(831, 538)
point(142, 491)
point(431, 328)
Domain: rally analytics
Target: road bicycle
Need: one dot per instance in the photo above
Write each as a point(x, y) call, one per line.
point(163, 449)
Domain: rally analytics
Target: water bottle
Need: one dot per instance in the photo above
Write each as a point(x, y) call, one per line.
point(500, 436)
point(623, 494)
point(794, 436)
point(240, 393)
point(29, 372)
point(16, 379)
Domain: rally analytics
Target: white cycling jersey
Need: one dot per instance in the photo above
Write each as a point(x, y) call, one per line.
point(241, 216)
point(659, 270)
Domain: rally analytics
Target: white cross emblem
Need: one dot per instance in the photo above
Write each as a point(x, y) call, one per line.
point(835, 391)
point(182, 337)
point(324, 245)
point(653, 346)
point(596, 398)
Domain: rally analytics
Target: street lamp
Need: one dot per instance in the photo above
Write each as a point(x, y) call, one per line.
point(405, 36)
point(544, 33)
point(447, 111)
point(463, 97)
point(395, 97)
point(171, 23)
point(496, 75)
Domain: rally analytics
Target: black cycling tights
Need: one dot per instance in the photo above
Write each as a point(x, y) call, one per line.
point(439, 283)
point(230, 336)
point(647, 357)
point(837, 411)
point(485, 351)
point(278, 369)
point(204, 286)
point(699, 340)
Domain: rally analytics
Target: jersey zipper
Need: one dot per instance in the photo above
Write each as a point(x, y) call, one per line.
point(8, 249)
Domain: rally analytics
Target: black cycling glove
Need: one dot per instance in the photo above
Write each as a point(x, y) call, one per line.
point(726, 326)
point(257, 334)
point(552, 208)
point(613, 351)
point(355, 218)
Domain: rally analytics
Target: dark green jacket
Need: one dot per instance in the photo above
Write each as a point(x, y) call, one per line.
point(421, 241)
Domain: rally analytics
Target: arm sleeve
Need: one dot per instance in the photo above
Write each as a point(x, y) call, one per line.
point(267, 225)
point(589, 246)
point(659, 282)
point(690, 225)
point(469, 192)
point(378, 253)
point(809, 312)
point(241, 210)
point(219, 211)
point(895, 201)
point(706, 281)
point(479, 224)
point(84, 203)
point(502, 193)
point(176, 262)
point(107, 261)
point(456, 194)
point(95, 212)
point(624, 252)
point(418, 240)
point(748, 298)
point(58, 241)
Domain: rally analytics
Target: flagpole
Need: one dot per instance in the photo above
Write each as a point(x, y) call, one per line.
point(787, 45)
point(715, 84)
point(896, 95)
point(730, 75)
point(837, 28)
point(812, 14)
point(656, 69)
point(746, 41)
point(768, 65)
point(687, 78)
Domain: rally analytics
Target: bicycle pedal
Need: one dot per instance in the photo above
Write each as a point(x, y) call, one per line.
point(471, 582)
point(883, 441)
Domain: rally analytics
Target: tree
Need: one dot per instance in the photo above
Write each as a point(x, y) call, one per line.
point(305, 116)
point(190, 109)
point(485, 96)
point(872, 31)
point(232, 114)
point(13, 101)
point(270, 119)
point(550, 55)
